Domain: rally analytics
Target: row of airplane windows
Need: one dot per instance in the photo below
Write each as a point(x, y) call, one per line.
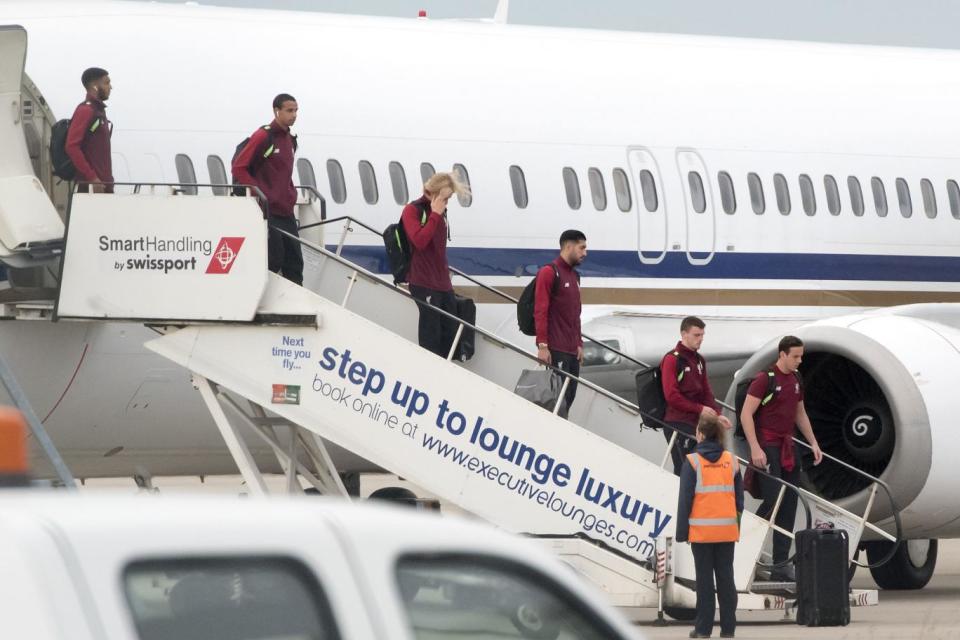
point(187, 175)
point(808, 196)
point(621, 185)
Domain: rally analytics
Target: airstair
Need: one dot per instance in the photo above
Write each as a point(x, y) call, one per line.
point(336, 361)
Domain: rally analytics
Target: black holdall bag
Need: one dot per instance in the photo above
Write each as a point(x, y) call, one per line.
point(466, 311)
point(822, 580)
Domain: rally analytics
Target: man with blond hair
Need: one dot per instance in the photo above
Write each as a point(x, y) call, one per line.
point(425, 223)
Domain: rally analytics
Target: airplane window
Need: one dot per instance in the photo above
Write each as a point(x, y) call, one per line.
point(426, 171)
point(903, 198)
point(621, 185)
point(598, 191)
point(807, 195)
point(338, 188)
point(929, 198)
point(757, 201)
point(227, 597)
point(697, 196)
point(398, 180)
point(571, 185)
point(305, 173)
point(467, 199)
point(368, 182)
point(649, 188)
point(519, 185)
point(218, 175)
point(186, 176)
point(782, 191)
point(728, 198)
point(879, 196)
point(833, 195)
point(856, 195)
point(953, 193)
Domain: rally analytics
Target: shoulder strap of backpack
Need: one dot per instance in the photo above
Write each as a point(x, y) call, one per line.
point(681, 365)
point(771, 388)
point(556, 280)
point(422, 206)
point(94, 122)
point(267, 148)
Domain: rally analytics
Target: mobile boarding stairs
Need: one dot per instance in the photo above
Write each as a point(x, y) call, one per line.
point(336, 361)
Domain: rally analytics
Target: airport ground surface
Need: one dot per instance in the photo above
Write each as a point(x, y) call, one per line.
point(931, 613)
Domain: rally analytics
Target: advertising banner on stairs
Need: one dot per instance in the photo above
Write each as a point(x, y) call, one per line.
point(163, 257)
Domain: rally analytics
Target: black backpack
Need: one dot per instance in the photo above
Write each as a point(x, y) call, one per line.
point(650, 398)
point(398, 246)
point(264, 152)
point(744, 385)
point(62, 164)
point(528, 302)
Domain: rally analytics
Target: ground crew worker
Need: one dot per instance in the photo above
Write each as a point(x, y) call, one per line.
point(425, 223)
point(266, 162)
point(708, 516)
point(770, 414)
point(686, 388)
point(556, 311)
point(88, 138)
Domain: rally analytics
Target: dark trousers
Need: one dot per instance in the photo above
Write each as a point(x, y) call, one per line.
point(283, 253)
point(788, 508)
point(435, 332)
point(569, 363)
point(682, 446)
point(715, 559)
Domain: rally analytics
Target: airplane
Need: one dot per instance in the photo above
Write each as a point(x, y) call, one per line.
point(767, 186)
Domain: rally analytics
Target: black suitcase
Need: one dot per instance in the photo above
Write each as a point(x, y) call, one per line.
point(466, 311)
point(822, 582)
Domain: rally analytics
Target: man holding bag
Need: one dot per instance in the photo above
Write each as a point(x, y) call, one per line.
point(557, 311)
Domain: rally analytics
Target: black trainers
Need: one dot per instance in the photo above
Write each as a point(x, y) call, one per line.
point(726, 634)
point(694, 634)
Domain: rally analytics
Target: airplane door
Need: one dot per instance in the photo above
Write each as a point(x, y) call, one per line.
point(698, 203)
point(651, 209)
point(27, 216)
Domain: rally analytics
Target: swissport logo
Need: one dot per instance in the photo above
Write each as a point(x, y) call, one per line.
point(225, 254)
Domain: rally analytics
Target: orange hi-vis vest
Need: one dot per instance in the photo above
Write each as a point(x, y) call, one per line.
point(713, 517)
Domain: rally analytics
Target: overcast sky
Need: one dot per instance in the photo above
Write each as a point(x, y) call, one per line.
point(923, 23)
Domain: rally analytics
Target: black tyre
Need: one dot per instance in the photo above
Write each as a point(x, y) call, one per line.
point(531, 622)
point(910, 568)
point(681, 613)
point(398, 495)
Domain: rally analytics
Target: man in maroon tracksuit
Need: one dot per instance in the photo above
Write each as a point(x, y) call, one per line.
point(425, 223)
point(686, 388)
point(556, 311)
point(266, 162)
point(88, 138)
point(770, 417)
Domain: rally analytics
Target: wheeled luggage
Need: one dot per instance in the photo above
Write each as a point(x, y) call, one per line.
point(822, 582)
point(466, 311)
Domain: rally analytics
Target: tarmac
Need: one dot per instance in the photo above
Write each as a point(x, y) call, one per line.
point(929, 613)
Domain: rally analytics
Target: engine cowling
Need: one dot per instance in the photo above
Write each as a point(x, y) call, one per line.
point(881, 394)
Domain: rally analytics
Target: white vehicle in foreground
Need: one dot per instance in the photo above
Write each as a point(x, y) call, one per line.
point(107, 567)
